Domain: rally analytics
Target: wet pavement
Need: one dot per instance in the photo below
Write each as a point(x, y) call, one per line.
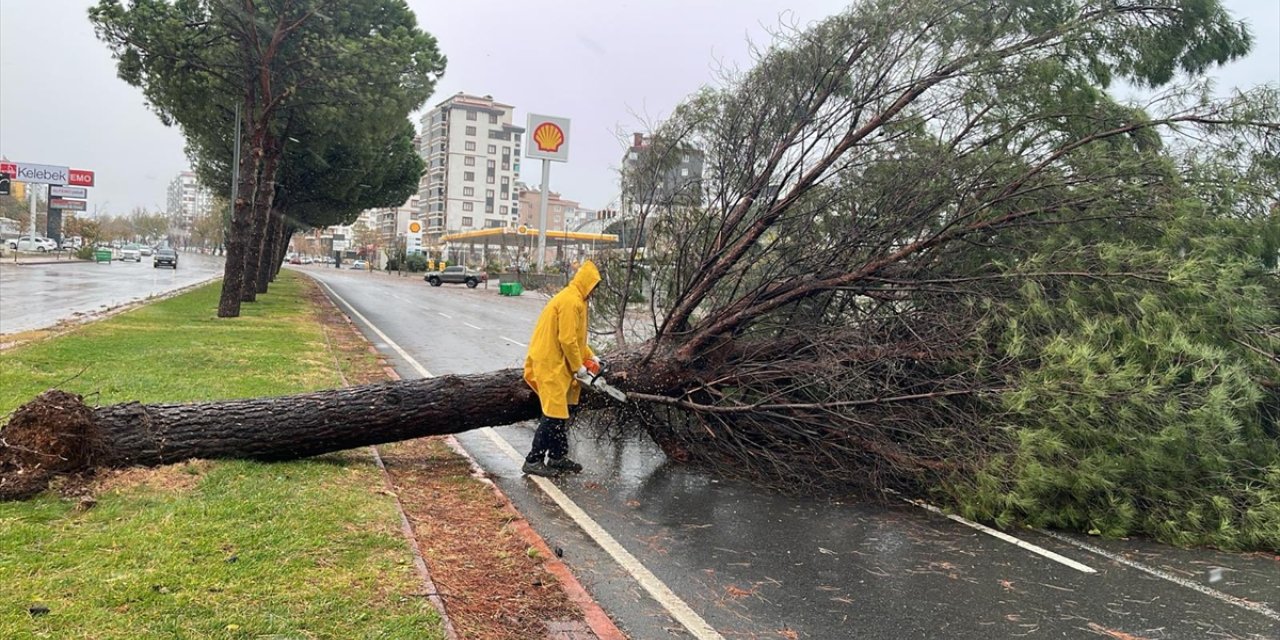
point(37, 296)
point(756, 564)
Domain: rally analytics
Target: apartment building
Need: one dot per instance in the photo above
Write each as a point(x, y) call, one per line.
point(187, 200)
point(471, 148)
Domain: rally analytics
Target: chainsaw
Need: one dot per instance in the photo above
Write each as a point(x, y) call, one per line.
point(594, 379)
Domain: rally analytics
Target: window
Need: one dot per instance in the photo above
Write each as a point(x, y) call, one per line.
point(471, 115)
point(503, 209)
point(491, 164)
point(493, 148)
point(493, 118)
point(466, 222)
point(470, 161)
point(469, 146)
point(489, 179)
point(468, 192)
point(458, 269)
point(468, 206)
point(471, 131)
point(469, 176)
point(684, 173)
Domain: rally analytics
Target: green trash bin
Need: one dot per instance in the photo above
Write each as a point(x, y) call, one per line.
point(516, 289)
point(102, 255)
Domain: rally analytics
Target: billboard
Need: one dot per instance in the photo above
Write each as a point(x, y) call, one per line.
point(36, 173)
point(547, 138)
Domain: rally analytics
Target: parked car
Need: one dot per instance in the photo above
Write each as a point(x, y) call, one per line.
point(360, 265)
point(72, 243)
point(131, 252)
point(456, 275)
point(165, 256)
point(39, 244)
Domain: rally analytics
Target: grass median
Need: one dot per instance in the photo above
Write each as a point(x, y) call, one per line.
point(307, 549)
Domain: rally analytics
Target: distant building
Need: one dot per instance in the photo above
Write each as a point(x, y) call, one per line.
point(471, 147)
point(188, 200)
point(562, 215)
point(673, 179)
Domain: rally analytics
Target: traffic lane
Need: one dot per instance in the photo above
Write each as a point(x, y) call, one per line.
point(433, 329)
point(753, 562)
point(1008, 592)
point(40, 296)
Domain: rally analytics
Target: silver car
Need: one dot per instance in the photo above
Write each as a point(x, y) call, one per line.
point(131, 252)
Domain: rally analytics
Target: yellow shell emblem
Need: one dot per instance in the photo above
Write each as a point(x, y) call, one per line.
point(548, 136)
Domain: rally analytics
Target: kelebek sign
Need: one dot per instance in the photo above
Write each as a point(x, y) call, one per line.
point(35, 173)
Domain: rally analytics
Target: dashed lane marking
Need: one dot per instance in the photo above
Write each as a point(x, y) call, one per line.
point(515, 342)
point(1021, 544)
point(660, 592)
point(473, 326)
point(1248, 605)
point(441, 313)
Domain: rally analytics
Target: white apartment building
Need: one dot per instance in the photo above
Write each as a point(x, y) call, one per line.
point(472, 151)
point(188, 199)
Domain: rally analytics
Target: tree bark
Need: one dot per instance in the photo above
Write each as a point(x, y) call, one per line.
point(268, 258)
point(57, 433)
point(238, 235)
point(262, 199)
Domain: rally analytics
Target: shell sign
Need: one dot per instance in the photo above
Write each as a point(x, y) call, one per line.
point(548, 138)
point(415, 227)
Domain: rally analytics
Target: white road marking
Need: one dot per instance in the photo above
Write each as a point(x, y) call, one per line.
point(660, 592)
point(1022, 544)
point(1256, 607)
point(443, 314)
point(656, 588)
point(473, 326)
point(516, 342)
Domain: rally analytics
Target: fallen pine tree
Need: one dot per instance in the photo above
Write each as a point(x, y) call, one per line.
point(928, 252)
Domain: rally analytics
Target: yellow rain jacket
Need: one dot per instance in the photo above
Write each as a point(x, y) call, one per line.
point(559, 345)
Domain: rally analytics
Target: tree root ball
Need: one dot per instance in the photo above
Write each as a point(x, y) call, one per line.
point(51, 435)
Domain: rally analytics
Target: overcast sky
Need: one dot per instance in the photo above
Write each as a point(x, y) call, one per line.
point(610, 66)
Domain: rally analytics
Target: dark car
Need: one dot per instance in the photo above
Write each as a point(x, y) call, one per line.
point(165, 256)
point(456, 275)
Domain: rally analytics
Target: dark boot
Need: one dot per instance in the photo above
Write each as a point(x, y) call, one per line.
point(565, 465)
point(541, 469)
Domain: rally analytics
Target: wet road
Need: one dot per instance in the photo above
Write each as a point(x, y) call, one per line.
point(754, 564)
point(36, 296)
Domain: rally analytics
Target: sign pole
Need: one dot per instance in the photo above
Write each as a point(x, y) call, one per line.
point(542, 215)
point(34, 192)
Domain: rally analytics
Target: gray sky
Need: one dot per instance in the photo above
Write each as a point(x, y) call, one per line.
point(608, 65)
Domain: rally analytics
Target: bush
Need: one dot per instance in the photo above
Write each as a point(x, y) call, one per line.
point(85, 252)
point(416, 263)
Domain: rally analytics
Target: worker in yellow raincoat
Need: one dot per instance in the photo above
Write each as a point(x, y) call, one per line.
point(557, 351)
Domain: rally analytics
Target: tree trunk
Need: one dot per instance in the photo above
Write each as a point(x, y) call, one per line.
point(262, 199)
point(238, 236)
point(272, 234)
point(58, 433)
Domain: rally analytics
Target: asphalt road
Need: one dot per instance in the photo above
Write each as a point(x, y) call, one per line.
point(35, 296)
point(655, 542)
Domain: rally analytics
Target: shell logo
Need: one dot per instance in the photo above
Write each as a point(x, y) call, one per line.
point(522, 229)
point(415, 227)
point(549, 137)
